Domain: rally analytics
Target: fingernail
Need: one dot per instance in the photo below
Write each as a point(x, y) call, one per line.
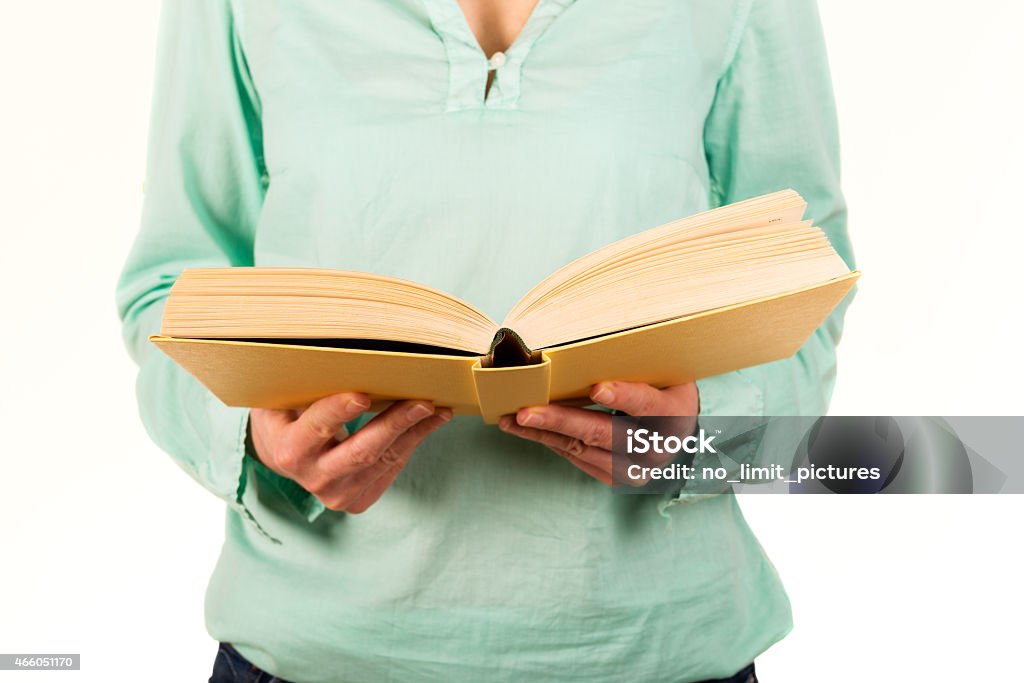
point(505, 423)
point(418, 412)
point(445, 414)
point(603, 394)
point(531, 419)
point(358, 405)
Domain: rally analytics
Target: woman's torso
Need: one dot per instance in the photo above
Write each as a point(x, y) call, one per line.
point(489, 553)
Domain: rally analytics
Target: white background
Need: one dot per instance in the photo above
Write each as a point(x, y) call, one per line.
point(105, 546)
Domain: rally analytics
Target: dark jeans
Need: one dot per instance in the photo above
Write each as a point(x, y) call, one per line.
point(231, 667)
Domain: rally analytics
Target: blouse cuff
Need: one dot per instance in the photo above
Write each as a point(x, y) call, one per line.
point(230, 478)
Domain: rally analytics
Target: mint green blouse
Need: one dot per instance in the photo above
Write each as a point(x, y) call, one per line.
point(357, 135)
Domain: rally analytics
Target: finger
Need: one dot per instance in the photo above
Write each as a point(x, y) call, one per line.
point(605, 466)
point(368, 445)
point(359, 491)
point(592, 427)
point(271, 420)
point(685, 398)
point(266, 429)
point(593, 471)
point(372, 493)
point(319, 423)
point(339, 435)
point(562, 443)
point(632, 398)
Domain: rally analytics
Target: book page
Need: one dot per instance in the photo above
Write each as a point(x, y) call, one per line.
point(750, 250)
point(309, 303)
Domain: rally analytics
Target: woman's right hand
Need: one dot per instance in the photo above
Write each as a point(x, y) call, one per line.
point(344, 472)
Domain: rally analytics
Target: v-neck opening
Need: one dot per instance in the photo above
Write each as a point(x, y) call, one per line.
point(508, 47)
point(469, 67)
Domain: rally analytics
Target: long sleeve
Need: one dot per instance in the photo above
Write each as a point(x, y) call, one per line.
point(203, 194)
point(773, 126)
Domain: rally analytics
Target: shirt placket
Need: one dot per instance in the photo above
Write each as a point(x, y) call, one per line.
point(468, 67)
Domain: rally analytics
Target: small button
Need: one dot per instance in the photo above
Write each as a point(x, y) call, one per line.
point(496, 61)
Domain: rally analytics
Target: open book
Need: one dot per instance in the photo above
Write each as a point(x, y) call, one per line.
point(722, 290)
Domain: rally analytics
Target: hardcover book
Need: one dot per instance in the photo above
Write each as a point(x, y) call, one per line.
point(722, 290)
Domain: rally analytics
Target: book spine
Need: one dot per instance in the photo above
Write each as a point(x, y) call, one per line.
point(502, 391)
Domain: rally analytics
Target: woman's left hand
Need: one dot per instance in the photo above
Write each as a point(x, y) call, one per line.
point(584, 437)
